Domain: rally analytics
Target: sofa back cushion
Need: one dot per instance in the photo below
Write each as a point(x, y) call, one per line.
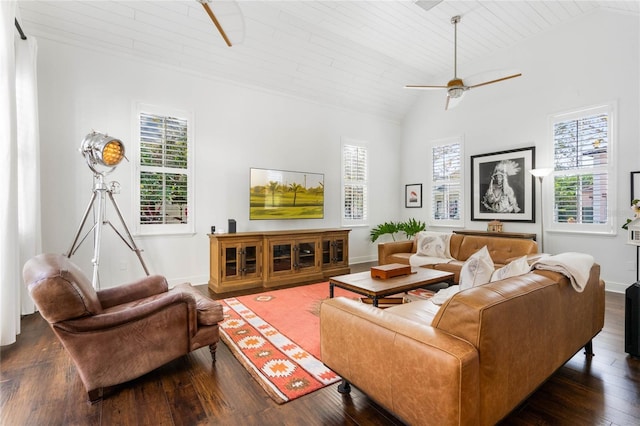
point(500, 249)
point(454, 248)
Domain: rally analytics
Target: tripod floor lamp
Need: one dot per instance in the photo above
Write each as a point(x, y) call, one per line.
point(102, 153)
point(540, 174)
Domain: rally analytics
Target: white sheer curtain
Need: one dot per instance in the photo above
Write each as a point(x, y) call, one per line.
point(20, 171)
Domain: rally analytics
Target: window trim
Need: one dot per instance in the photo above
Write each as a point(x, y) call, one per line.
point(169, 228)
point(354, 222)
point(548, 187)
point(449, 223)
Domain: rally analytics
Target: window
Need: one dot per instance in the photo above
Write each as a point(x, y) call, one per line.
point(164, 173)
point(583, 192)
point(354, 184)
point(446, 183)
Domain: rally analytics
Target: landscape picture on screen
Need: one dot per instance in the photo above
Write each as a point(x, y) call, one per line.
point(282, 194)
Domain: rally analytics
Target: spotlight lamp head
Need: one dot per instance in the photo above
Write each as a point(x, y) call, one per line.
point(102, 152)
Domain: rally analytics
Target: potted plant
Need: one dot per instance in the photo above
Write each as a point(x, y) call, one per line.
point(410, 228)
point(384, 228)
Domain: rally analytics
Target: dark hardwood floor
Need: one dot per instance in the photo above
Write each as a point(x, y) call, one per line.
point(39, 386)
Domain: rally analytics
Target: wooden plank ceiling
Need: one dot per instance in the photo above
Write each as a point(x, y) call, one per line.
point(352, 54)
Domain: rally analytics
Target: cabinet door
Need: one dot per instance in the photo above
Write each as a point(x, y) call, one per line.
point(281, 256)
point(250, 263)
point(339, 251)
point(293, 256)
point(305, 255)
point(326, 251)
point(334, 251)
point(230, 265)
point(240, 261)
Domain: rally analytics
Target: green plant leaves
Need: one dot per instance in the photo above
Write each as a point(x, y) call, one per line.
point(410, 228)
point(384, 228)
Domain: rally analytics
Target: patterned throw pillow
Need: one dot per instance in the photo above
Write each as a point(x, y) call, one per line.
point(477, 270)
point(433, 244)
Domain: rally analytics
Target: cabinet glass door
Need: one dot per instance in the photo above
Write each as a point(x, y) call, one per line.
point(333, 251)
point(250, 260)
point(338, 251)
point(326, 252)
point(306, 255)
point(282, 257)
point(230, 261)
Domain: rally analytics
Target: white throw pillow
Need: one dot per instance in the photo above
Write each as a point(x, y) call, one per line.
point(433, 244)
point(512, 269)
point(477, 270)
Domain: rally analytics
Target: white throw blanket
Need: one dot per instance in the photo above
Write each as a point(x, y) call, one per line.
point(432, 248)
point(575, 266)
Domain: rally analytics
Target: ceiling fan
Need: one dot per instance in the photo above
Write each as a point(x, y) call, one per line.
point(456, 87)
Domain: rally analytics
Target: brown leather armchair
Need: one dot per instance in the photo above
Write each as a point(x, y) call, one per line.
point(118, 334)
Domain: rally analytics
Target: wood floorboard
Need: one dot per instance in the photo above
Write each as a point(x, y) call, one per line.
point(40, 386)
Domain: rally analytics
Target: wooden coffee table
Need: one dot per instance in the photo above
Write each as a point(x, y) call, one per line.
point(376, 288)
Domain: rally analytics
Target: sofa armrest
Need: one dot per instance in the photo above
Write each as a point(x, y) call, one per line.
point(130, 314)
point(387, 249)
point(414, 370)
point(145, 287)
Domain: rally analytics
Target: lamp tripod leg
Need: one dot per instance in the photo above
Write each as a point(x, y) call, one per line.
point(75, 244)
point(131, 243)
point(98, 238)
point(99, 192)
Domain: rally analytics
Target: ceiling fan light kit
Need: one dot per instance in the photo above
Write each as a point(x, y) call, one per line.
point(456, 87)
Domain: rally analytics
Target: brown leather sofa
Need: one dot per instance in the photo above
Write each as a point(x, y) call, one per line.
point(118, 334)
point(487, 349)
point(502, 251)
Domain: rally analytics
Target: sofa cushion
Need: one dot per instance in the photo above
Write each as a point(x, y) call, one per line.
point(420, 311)
point(400, 258)
point(453, 266)
point(501, 249)
point(517, 267)
point(477, 270)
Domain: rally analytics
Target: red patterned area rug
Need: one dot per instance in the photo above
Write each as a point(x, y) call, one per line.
point(276, 337)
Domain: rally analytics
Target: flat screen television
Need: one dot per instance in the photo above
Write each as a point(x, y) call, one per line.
point(284, 194)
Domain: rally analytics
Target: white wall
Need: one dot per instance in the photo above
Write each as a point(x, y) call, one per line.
point(235, 128)
point(586, 62)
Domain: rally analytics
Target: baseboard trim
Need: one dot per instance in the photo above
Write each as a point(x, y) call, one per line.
point(362, 259)
point(194, 280)
point(614, 287)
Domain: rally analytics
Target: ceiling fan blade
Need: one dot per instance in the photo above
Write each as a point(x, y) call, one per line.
point(205, 4)
point(413, 86)
point(495, 80)
point(452, 102)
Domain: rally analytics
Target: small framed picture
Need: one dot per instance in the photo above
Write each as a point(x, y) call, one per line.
point(413, 195)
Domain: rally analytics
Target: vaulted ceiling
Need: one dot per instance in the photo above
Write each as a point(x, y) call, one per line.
point(352, 54)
